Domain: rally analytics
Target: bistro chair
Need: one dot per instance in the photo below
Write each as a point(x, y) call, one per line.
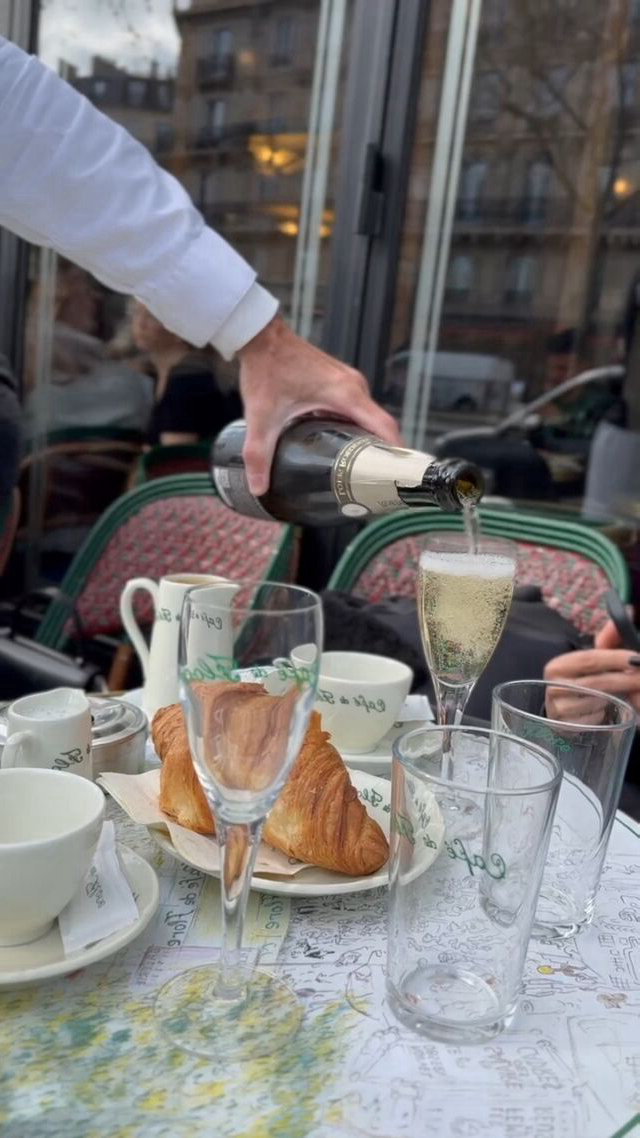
point(180, 458)
point(9, 515)
point(78, 473)
point(168, 525)
point(573, 564)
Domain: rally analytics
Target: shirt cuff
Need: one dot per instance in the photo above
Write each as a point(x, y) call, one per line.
point(251, 314)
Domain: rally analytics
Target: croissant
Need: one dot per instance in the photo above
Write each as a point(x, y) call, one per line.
point(318, 817)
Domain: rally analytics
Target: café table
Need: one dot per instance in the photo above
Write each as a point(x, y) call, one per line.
point(82, 1056)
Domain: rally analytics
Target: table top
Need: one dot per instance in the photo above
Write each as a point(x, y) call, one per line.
point(82, 1057)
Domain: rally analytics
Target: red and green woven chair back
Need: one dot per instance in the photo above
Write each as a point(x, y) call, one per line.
point(569, 582)
point(573, 580)
point(169, 525)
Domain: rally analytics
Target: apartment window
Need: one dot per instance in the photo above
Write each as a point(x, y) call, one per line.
point(136, 91)
point(459, 277)
point(165, 137)
point(99, 89)
point(629, 84)
point(536, 190)
point(164, 96)
point(278, 103)
point(519, 283)
point(216, 112)
point(208, 187)
point(494, 13)
point(546, 99)
point(472, 181)
point(485, 96)
point(221, 45)
point(283, 41)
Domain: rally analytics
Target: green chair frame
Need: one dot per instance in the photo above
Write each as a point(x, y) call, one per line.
point(51, 631)
point(178, 452)
point(523, 527)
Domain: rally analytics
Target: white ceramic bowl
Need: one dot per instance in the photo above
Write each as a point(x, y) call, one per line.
point(50, 823)
point(359, 697)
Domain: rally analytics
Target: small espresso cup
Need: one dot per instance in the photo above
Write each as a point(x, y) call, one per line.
point(359, 697)
point(50, 824)
point(51, 730)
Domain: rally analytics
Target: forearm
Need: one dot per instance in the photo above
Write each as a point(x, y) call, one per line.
point(72, 179)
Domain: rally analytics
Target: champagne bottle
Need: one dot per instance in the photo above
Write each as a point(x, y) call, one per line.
point(325, 471)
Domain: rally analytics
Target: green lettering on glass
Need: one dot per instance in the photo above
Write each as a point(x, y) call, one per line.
point(544, 736)
point(496, 866)
point(210, 667)
point(400, 824)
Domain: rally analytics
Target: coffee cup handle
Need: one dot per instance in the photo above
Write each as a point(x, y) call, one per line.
point(12, 747)
point(129, 621)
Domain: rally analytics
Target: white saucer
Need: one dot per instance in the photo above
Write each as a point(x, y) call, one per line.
point(25, 964)
point(315, 882)
point(378, 761)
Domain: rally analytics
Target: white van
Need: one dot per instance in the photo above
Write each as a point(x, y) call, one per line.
point(462, 381)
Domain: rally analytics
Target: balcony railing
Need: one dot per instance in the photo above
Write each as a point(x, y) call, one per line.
point(216, 71)
point(539, 214)
point(516, 211)
point(222, 135)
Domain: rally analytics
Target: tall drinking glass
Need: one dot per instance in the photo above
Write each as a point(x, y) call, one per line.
point(462, 899)
point(246, 708)
point(591, 736)
point(463, 603)
point(465, 585)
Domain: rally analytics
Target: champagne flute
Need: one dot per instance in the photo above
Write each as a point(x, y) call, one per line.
point(246, 708)
point(464, 594)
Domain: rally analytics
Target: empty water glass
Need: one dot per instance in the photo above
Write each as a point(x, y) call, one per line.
point(591, 736)
point(462, 901)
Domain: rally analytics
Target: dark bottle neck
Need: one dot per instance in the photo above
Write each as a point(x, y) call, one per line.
point(450, 483)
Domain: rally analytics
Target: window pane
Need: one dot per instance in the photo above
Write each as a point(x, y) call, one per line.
point(221, 96)
point(520, 244)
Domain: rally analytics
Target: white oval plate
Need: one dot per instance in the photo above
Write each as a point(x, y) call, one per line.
point(315, 882)
point(378, 761)
point(43, 959)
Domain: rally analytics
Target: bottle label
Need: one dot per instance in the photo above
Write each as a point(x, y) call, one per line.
point(366, 475)
point(231, 484)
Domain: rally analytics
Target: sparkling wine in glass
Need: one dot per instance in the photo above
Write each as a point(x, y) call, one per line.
point(246, 708)
point(464, 597)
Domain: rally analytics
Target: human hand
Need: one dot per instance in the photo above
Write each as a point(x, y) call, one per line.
point(611, 670)
point(283, 377)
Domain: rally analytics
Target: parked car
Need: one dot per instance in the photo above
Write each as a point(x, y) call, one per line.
point(531, 454)
point(467, 382)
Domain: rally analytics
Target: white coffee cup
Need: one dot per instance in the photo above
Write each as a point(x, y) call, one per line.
point(359, 696)
point(50, 824)
point(50, 729)
point(160, 659)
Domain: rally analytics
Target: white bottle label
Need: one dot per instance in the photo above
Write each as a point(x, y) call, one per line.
point(366, 475)
point(232, 487)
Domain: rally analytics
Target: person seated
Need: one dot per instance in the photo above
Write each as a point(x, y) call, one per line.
point(607, 667)
point(91, 384)
point(189, 405)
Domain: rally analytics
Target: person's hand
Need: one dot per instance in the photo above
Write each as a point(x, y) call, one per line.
point(606, 668)
point(283, 377)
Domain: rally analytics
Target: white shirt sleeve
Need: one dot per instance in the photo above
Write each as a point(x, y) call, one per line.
point(72, 179)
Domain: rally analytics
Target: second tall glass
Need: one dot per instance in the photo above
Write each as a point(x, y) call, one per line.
point(591, 735)
point(246, 707)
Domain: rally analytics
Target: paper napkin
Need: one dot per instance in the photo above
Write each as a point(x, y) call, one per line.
point(138, 796)
point(104, 903)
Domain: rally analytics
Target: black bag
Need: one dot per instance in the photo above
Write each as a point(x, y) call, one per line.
point(26, 666)
point(533, 635)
